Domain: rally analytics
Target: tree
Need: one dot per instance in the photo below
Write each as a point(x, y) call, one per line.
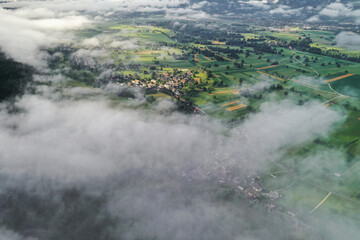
point(14, 77)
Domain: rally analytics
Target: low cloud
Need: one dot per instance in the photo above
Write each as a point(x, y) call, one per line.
point(23, 39)
point(186, 13)
point(80, 163)
point(258, 4)
point(337, 11)
point(348, 40)
point(286, 11)
point(200, 5)
point(102, 6)
point(105, 41)
point(33, 27)
point(125, 44)
point(159, 140)
point(91, 42)
point(156, 170)
point(91, 57)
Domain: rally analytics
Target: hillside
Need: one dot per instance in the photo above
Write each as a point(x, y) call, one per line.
point(13, 77)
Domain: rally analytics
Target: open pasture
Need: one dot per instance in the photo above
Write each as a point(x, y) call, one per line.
point(339, 78)
point(349, 85)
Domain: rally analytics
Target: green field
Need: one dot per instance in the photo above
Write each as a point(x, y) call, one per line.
point(349, 86)
point(298, 76)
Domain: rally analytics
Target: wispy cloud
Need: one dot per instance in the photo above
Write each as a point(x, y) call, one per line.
point(337, 11)
point(24, 38)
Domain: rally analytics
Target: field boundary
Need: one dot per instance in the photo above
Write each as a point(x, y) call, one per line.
point(339, 78)
point(229, 91)
point(271, 76)
point(237, 107)
point(228, 104)
point(196, 58)
point(271, 66)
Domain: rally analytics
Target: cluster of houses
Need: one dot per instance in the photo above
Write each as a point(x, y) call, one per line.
point(248, 187)
point(172, 81)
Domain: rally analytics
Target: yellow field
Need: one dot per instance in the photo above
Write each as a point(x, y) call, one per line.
point(196, 58)
point(218, 43)
point(230, 109)
point(197, 79)
point(228, 104)
point(268, 67)
point(272, 76)
point(338, 78)
point(230, 91)
point(209, 59)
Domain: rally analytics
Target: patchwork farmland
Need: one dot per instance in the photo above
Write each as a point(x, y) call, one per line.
point(231, 82)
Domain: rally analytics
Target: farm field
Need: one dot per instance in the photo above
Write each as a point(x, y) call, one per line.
point(232, 87)
point(309, 81)
point(349, 85)
point(180, 120)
